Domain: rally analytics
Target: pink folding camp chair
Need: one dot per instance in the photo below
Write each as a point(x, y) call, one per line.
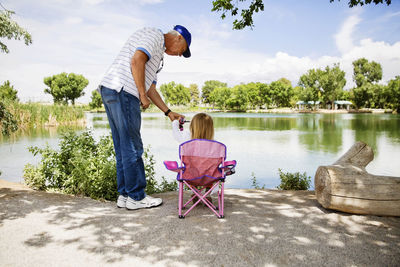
point(203, 166)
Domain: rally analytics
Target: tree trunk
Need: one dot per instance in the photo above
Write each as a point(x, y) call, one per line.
point(346, 185)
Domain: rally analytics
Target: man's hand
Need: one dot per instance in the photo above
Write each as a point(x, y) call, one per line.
point(144, 101)
point(175, 116)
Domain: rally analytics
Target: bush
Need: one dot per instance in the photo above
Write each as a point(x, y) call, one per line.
point(84, 167)
point(254, 182)
point(8, 123)
point(294, 181)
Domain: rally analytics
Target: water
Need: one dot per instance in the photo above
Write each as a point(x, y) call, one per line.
point(261, 143)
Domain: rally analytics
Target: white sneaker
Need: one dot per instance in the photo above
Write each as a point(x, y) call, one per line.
point(147, 202)
point(121, 202)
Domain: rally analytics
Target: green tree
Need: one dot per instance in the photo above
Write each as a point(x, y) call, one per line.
point(366, 75)
point(392, 91)
point(11, 30)
point(253, 92)
point(96, 100)
point(208, 87)
point(310, 82)
point(281, 92)
point(64, 87)
point(246, 14)
point(194, 94)
point(265, 97)
point(175, 94)
point(7, 91)
point(8, 123)
point(239, 99)
point(366, 72)
point(220, 96)
point(332, 82)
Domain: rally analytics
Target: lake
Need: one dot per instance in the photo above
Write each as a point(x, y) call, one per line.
point(261, 143)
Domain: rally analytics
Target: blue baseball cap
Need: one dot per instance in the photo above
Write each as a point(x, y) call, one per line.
point(187, 36)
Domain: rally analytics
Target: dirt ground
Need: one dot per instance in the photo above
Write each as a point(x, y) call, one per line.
point(260, 228)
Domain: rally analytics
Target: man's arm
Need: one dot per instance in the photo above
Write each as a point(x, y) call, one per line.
point(138, 64)
point(157, 100)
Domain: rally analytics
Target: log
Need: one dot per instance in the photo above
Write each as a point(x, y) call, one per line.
point(346, 185)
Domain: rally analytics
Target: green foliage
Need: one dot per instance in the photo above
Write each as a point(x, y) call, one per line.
point(366, 72)
point(311, 85)
point(64, 87)
point(84, 167)
point(194, 94)
point(11, 30)
point(392, 91)
point(294, 181)
point(8, 123)
point(35, 114)
point(208, 87)
point(175, 94)
point(219, 97)
point(239, 98)
point(281, 92)
point(246, 14)
point(8, 92)
point(96, 100)
point(353, 3)
point(254, 182)
point(332, 81)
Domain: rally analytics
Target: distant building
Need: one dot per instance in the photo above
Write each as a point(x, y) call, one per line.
point(342, 104)
point(303, 105)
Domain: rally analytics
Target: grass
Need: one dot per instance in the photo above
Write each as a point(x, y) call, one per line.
point(35, 114)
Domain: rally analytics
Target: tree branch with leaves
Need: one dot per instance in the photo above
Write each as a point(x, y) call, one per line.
point(11, 30)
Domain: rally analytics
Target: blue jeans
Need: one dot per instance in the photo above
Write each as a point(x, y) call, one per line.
point(124, 117)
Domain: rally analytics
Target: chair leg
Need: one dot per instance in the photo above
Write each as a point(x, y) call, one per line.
point(180, 200)
point(221, 207)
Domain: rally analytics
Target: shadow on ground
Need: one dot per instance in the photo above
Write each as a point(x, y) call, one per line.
point(261, 227)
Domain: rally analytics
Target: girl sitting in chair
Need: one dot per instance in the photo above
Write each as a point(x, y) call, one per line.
point(201, 127)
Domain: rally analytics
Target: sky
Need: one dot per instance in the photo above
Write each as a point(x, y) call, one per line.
point(289, 38)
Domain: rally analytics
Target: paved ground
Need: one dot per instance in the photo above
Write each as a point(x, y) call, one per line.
point(261, 228)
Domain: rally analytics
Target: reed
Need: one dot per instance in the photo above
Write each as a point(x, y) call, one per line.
point(36, 114)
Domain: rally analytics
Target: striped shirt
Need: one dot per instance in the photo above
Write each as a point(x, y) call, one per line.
point(119, 75)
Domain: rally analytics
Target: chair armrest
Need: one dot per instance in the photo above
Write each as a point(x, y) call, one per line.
point(172, 166)
point(229, 167)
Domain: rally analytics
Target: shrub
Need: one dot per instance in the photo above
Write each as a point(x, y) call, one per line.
point(294, 181)
point(8, 123)
point(84, 167)
point(254, 182)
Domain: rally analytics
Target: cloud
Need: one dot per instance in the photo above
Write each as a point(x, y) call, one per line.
point(344, 38)
point(85, 40)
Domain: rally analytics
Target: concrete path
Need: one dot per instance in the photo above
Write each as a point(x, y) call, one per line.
point(261, 228)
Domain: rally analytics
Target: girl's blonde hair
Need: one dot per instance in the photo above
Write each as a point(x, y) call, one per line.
point(202, 127)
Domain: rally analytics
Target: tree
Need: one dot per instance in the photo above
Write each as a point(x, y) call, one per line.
point(208, 87)
point(64, 87)
point(220, 96)
point(353, 3)
point(194, 94)
point(11, 30)
point(332, 82)
point(246, 14)
point(366, 75)
point(393, 92)
point(7, 91)
point(239, 99)
point(281, 92)
point(366, 72)
point(310, 82)
point(96, 100)
point(175, 94)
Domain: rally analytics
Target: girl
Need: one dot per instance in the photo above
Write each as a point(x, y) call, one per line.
point(201, 127)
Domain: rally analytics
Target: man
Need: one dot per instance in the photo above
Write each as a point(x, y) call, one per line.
point(129, 83)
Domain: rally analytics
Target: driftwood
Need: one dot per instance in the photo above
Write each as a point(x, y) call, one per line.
point(346, 185)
